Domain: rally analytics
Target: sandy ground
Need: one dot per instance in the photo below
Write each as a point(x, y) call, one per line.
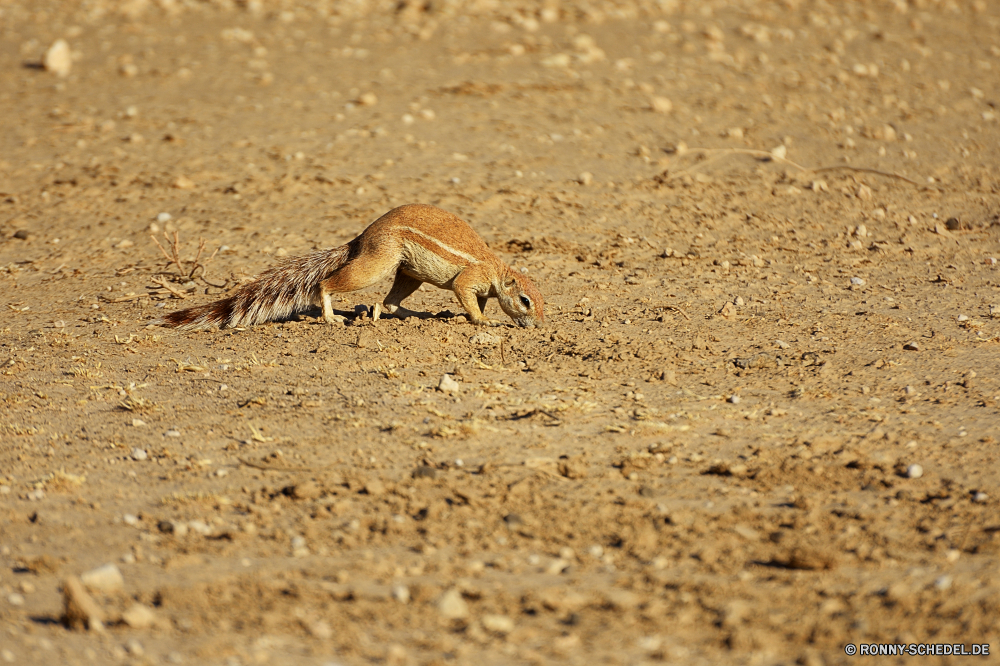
point(761, 424)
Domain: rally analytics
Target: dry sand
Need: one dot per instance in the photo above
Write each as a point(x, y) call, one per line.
point(761, 424)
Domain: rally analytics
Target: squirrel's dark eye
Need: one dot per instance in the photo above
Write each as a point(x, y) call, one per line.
point(525, 301)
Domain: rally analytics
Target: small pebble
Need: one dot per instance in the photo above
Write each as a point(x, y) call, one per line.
point(735, 399)
point(139, 454)
point(911, 346)
point(172, 433)
point(963, 318)
point(498, 624)
point(401, 593)
point(781, 344)
point(130, 519)
point(15, 599)
point(27, 587)
point(739, 301)
point(178, 528)
point(452, 606)
point(661, 105)
point(909, 390)
point(134, 647)
point(106, 578)
point(164, 217)
point(448, 384)
point(58, 58)
point(914, 471)
point(858, 281)
point(200, 527)
point(980, 496)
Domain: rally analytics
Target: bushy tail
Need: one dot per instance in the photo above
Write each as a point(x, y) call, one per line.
point(277, 293)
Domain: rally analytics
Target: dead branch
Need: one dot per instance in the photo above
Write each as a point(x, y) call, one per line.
point(166, 285)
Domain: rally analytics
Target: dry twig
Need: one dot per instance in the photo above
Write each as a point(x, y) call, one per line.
point(166, 285)
point(174, 256)
point(273, 468)
point(719, 153)
point(674, 308)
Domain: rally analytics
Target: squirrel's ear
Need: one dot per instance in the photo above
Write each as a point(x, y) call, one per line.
point(509, 282)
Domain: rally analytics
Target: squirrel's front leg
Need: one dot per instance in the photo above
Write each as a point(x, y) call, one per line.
point(470, 301)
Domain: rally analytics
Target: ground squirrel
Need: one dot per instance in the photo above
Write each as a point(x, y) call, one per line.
point(416, 242)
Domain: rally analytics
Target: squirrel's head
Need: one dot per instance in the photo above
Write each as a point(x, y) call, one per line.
point(521, 300)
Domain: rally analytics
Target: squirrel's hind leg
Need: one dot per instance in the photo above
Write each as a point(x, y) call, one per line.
point(402, 286)
point(328, 315)
point(360, 272)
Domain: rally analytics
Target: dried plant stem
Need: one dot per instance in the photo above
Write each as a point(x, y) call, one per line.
point(166, 285)
point(174, 256)
point(719, 153)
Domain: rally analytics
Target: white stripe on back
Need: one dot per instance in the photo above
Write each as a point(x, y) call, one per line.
point(457, 253)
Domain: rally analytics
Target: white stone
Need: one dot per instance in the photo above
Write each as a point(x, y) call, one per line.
point(106, 578)
point(58, 58)
point(914, 471)
point(498, 624)
point(401, 593)
point(139, 616)
point(200, 527)
point(134, 647)
point(448, 384)
point(661, 105)
point(452, 606)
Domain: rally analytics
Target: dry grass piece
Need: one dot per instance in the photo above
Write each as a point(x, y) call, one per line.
point(137, 405)
point(719, 153)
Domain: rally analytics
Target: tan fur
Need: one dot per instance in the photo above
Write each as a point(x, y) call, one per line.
point(416, 243)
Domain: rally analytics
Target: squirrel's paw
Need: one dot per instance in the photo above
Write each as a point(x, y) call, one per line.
point(335, 319)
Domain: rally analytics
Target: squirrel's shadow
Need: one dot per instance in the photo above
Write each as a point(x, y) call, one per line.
point(363, 313)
